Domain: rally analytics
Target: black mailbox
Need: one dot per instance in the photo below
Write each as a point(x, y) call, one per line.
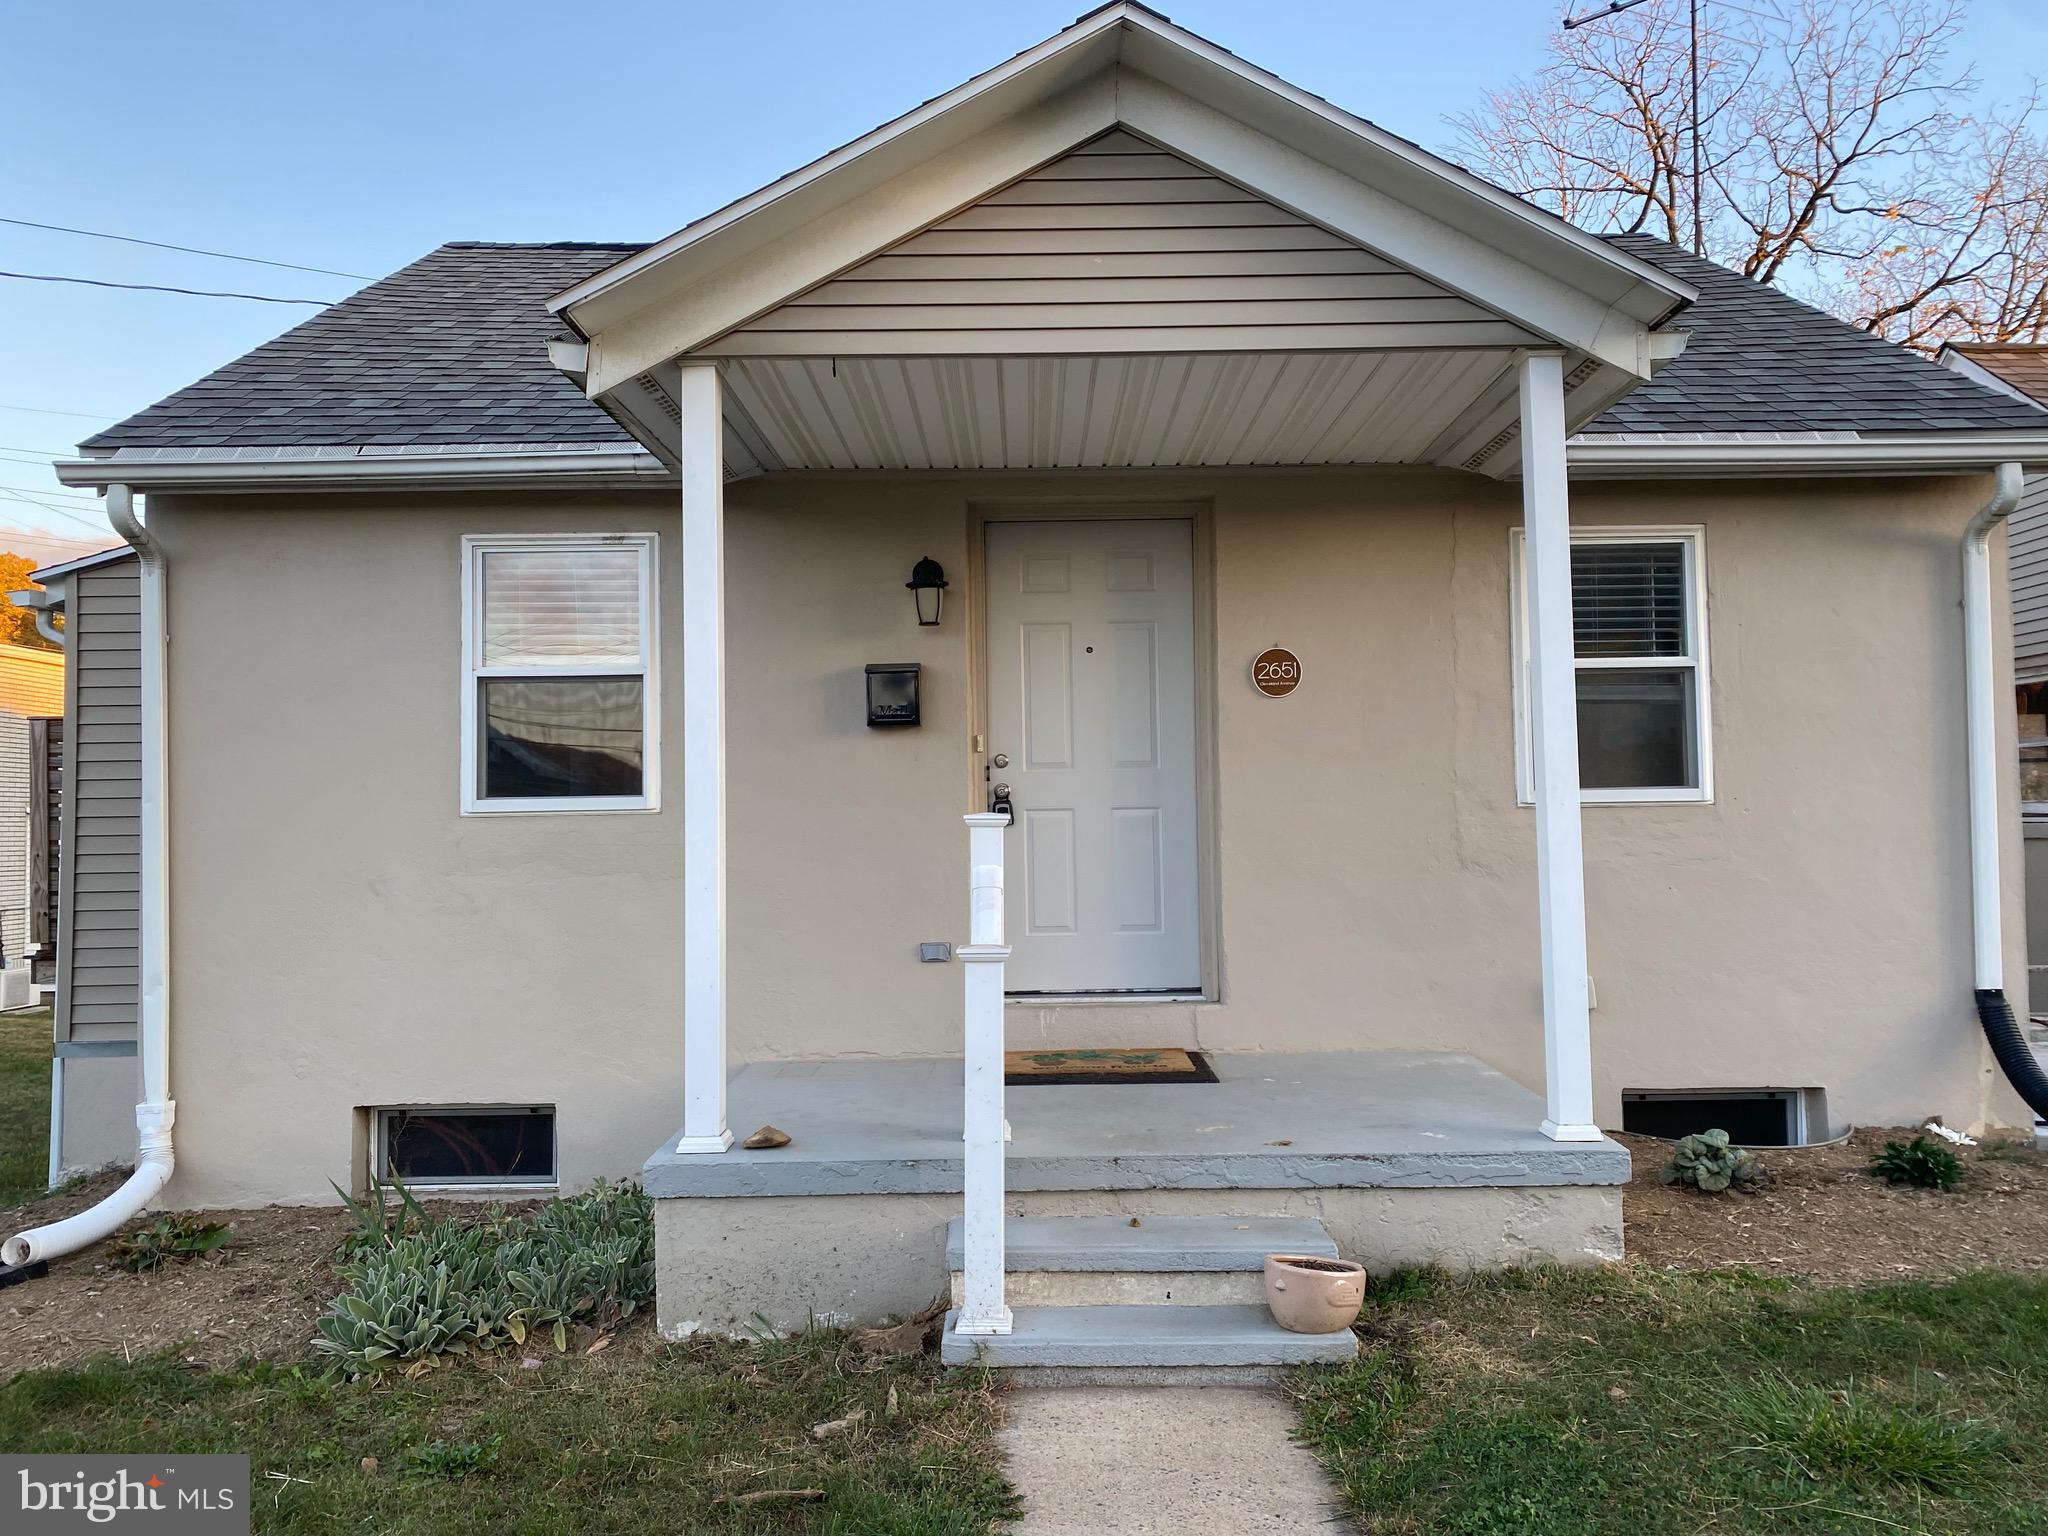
point(892, 693)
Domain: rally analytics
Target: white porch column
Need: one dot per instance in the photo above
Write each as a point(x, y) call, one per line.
point(702, 451)
point(1554, 740)
point(982, 1309)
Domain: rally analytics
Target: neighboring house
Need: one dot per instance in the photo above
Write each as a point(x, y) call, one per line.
point(1476, 681)
point(31, 699)
point(95, 916)
point(2021, 371)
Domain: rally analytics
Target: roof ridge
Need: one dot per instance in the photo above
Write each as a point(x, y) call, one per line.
point(544, 245)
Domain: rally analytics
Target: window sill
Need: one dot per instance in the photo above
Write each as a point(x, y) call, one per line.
point(560, 807)
point(1635, 797)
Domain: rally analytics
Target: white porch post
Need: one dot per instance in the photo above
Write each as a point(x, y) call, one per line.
point(982, 1310)
point(1554, 739)
point(701, 447)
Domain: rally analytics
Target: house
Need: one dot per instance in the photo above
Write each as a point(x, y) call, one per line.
point(31, 699)
point(91, 809)
point(2021, 371)
point(1472, 682)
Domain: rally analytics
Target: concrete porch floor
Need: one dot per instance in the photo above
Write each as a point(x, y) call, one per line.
point(1402, 1157)
point(1317, 1120)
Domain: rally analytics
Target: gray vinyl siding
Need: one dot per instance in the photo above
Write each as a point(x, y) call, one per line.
point(15, 769)
point(1120, 247)
point(102, 862)
point(2028, 533)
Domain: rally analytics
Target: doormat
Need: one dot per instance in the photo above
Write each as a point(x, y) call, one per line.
point(1089, 1068)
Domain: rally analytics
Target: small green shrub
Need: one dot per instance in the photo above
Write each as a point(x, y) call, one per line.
point(177, 1236)
point(1920, 1163)
point(421, 1287)
point(1709, 1162)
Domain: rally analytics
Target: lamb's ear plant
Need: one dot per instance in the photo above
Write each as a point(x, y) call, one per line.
point(1711, 1163)
point(1920, 1163)
point(421, 1287)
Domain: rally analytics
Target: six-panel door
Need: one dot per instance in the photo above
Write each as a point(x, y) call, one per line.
point(1092, 699)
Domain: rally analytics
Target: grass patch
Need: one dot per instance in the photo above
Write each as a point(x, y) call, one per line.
point(1614, 1403)
point(24, 1105)
point(642, 1437)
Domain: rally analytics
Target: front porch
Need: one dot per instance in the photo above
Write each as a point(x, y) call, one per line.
point(1406, 1158)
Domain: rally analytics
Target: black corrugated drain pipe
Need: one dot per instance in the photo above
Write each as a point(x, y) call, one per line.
point(1987, 770)
point(2015, 1057)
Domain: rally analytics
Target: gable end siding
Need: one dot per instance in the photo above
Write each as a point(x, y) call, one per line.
point(98, 923)
point(1119, 246)
point(2027, 562)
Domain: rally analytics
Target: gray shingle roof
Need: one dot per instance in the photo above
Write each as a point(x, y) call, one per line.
point(453, 349)
point(1761, 361)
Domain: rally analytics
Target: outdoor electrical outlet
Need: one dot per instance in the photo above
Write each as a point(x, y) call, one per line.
point(934, 954)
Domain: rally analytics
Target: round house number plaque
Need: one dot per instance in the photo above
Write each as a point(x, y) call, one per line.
point(1276, 672)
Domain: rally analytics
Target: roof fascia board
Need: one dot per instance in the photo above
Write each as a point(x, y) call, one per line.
point(50, 573)
point(1915, 453)
point(1501, 278)
point(847, 234)
point(1258, 98)
point(483, 471)
point(1051, 69)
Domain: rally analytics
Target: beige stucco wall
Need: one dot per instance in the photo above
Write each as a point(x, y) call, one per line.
point(343, 937)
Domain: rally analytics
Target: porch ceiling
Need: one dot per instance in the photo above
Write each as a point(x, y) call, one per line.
point(1248, 408)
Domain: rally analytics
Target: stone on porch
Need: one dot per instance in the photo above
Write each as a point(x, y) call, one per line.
point(1406, 1157)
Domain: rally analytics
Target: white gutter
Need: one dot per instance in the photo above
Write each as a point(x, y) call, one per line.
point(156, 1113)
point(1987, 766)
point(372, 471)
point(1818, 453)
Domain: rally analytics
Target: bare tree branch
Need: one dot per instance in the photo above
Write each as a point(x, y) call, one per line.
point(1842, 153)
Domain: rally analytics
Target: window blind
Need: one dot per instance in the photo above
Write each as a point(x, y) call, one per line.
point(1628, 599)
point(561, 608)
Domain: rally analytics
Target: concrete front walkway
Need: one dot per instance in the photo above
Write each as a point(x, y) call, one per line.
point(1161, 1461)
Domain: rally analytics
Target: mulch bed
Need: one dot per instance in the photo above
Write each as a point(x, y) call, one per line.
point(258, 1296)
point(1822, 1216)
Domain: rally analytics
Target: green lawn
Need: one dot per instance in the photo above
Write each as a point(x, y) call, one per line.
point(1631, 1402)
point(24, 1105)
point(650, 1440)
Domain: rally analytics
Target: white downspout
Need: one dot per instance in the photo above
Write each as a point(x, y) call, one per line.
point(155, 1114)
point(1981, 705)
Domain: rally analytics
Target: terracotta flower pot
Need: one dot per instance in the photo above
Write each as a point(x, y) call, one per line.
point(1313, 1295)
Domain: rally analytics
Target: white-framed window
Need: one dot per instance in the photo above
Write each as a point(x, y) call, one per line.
point(464, 1146)
point(1639, 629)
point(559, 688)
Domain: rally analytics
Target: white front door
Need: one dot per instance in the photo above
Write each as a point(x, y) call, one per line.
point(1091, 644)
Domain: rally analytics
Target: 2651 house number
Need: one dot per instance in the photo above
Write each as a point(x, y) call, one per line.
point(1276, 672)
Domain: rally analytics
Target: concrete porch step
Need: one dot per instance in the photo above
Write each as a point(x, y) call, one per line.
point(1104, 1261)
point(1173, 1337)
point(1157, 1245)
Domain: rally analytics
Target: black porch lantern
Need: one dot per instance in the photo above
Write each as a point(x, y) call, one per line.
point(927, 586)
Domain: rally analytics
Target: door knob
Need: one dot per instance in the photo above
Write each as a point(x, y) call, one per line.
point(1001, 760)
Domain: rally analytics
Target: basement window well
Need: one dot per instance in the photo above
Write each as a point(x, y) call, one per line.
point(1752, 1117)
point(491, 1145)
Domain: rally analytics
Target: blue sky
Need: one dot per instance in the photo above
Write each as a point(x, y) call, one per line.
point(359, 135)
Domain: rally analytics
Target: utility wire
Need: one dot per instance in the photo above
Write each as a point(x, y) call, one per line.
point(190, 250)
point(85, 522)
point(48, 453)
point(200, 293)
point(39, 410)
